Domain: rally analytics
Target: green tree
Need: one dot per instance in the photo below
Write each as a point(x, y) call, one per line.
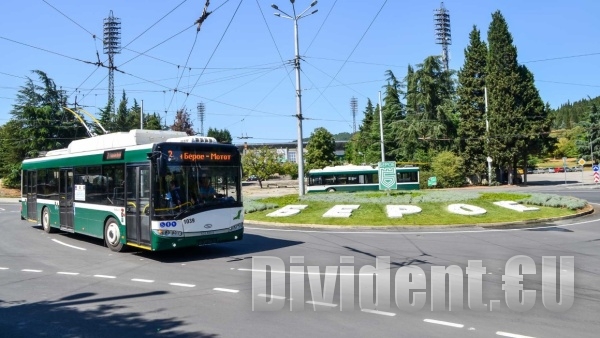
point(320, 150)
point(12, 154)
point(449, 170)
point(122, 117)
point(152, 122)
point(262, 162)
point(506, 118)
point(535, 136)
point(106, 119)
point(45, 125)
point(429, 125)
point(588, 143)
point(392, 111)
point(290, 168)
point(471, 105)
point(367, 143)
point(222, 135)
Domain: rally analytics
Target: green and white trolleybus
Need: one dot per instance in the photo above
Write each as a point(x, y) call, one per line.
point(358, 178)
point(139, 189)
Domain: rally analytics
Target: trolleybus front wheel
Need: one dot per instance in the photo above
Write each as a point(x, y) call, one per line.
point(112, 235)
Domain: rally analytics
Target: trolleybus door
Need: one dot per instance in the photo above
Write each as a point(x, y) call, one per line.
point(138, 209)
point(65, 199)
point(31, 194)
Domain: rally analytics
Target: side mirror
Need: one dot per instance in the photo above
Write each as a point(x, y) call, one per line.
point(161, 166)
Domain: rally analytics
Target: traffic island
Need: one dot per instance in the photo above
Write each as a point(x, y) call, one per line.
point(415, 209)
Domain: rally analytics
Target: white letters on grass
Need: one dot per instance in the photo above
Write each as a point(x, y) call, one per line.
point(341, 211)
point(512, 205)
point(466, 209)
point(396, 211)
point(288, 210)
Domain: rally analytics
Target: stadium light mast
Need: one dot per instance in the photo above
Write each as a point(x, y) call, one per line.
point(295, 18)
point(443, 37)
point(201, 109)
point(353, 108)
point(112, 46)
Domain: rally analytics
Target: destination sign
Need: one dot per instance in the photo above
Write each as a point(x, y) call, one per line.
point(114, 155)
point(211, 156)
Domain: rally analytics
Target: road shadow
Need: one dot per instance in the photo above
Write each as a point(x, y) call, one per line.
point(551, 229)
point(548, 182)
point(62, 318)
point(250, 244)
point(239, 250)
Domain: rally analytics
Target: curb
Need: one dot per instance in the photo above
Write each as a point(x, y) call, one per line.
point(587, 210)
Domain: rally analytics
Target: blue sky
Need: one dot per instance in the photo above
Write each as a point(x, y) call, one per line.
point(238, 64)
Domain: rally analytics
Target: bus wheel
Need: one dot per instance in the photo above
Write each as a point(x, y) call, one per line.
point(46, 221)
point(330, 190)
point(112, 235)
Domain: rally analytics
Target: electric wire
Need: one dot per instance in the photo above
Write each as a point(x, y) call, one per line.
point(352, 52)
point(214, 50)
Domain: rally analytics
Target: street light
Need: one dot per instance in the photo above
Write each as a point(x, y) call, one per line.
point(295, 18)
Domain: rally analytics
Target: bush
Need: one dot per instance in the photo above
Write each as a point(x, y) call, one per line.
point(13, 178)
point(423, 177)
point(449, 170)
point(555, 201)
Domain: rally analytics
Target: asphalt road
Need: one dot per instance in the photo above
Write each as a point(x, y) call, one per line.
point(63, 285)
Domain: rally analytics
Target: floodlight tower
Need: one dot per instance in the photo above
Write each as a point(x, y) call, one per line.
point(112, 46)
point(201, 110)
point(353, 108)
point(443, 37)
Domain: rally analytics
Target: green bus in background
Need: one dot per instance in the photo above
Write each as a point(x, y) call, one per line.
point(358, 178)
point(139, 189)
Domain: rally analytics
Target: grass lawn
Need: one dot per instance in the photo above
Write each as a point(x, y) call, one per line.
point(373, 214)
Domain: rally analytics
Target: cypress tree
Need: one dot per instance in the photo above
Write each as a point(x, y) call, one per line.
point(507, 121)
point(471, 105)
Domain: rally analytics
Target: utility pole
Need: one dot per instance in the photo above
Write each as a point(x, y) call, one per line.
point(487, 133)
point(142, 116)
point(295, 18)
point(381, 130)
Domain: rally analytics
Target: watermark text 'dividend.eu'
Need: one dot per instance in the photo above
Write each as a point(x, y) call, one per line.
point(273, 284)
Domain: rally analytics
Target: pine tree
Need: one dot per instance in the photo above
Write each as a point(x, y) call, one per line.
point(588, 145)
point(411, 91)
point(506, 118)
point(535, 136)
point(392, 111)
point(471, 105)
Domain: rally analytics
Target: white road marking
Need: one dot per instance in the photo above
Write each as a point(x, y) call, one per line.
point(184, 285)
point(104, 276)
point(439, 322)
point(383, 313)
point(308, 273)
point(69, 245)
point(1, 268)
point(226, 290)
point(321, 303)
point(512, 335)
point(142, 280)
point(387, 233)
point(68, 273)
point(270, 296)
point(30, 270)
